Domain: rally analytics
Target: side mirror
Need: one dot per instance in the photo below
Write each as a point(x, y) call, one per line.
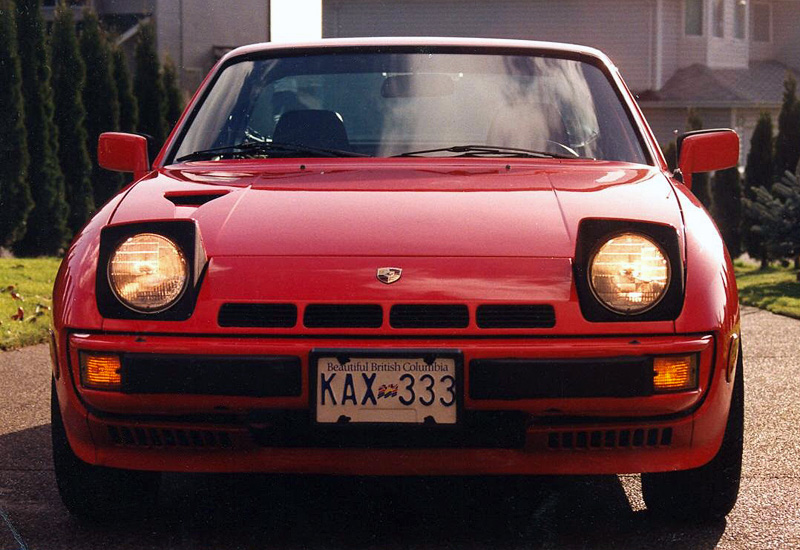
point(123, 153)
point(707, 151)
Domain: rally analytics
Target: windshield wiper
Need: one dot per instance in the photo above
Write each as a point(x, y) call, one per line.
point(492, 150)
point(266, 147)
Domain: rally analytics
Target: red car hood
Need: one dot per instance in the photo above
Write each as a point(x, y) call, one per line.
point(410, 207)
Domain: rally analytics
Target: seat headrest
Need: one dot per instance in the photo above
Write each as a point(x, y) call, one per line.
point(312, 127)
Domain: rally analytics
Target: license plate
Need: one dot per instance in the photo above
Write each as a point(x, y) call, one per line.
point(408, 390)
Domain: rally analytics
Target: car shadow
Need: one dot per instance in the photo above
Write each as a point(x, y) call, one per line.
point(269, 511)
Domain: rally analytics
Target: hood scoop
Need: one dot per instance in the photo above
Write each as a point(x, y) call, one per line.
point(195, 198)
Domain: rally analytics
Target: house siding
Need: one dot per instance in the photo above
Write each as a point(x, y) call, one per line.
point(628, 40)
point(671, 32)
point(786, 32)
point(189, 36)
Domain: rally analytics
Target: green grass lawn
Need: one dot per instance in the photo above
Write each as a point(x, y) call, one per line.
point(775, 289)
point(27, 285)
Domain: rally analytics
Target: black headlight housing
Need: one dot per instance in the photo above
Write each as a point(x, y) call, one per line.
point(592, 234)
point(183, 233)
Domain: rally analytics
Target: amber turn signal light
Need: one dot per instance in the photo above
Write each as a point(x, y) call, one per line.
point(675, 373)
point(101, 371)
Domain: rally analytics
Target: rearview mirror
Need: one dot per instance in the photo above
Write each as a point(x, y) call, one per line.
point(123, 153)
point(417, 85)
point(706, 151)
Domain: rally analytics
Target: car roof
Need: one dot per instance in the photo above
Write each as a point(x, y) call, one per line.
point(420, 41)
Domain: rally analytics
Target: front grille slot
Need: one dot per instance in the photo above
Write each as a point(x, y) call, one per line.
point(515, 316)
point(343, 316)
point(560, 378)
point(262, 376)
point(429, 316)
point(258, 315)
point(134, 436)
point(634, 438)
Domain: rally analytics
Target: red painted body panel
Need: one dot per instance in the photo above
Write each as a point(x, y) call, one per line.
point(469, 231)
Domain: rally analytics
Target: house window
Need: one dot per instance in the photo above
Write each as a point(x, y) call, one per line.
point(719, 18)
point(693, 17)
point(762, 22)
point(739, 17)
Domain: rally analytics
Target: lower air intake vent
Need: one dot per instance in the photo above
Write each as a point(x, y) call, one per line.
point(610, 439)
point(131, 436)
point(343, 316)
point(516, 316)
point(258, 315)
point(429, 316)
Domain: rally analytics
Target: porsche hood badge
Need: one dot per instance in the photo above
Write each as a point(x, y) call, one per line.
point(389, 275)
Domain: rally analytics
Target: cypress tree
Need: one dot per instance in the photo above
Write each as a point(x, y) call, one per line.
point(69, 78)
point(149, 88)
point(787, 143)
point(15, 195)
point(700, 186)
point(173, 93)
point(100, 101)
point(727, 201)
point(128, 110)
point(47, 224)
point(757, 174)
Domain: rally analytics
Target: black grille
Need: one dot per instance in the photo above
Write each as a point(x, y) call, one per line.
point(271, 376)
point(135, 436)
point(610, 439)
point(558, 378)
point(429, 316)
point(516, 316)
point(475, 429)
point(343, 316)
point(258, 315)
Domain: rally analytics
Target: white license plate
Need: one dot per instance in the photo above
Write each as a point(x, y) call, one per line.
point(405, 390)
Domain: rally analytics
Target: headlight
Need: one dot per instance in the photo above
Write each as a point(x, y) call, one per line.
point(629, 273)
point(148, 273)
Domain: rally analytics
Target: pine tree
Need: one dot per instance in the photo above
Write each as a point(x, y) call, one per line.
point(727, 212)
point(100, 101)
point(15, 195)
point(787, 143)
point(757, 174)
point(69, 78)
point(700, 186)
point(149, 88)
point(128, 110)
point(47, 224)
point(173, 93)
point(777, 213)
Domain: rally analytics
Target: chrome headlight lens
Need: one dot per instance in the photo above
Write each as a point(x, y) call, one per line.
point(148, 273)
point(629, 273)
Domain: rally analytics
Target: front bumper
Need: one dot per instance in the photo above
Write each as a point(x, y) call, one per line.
point(233, 433)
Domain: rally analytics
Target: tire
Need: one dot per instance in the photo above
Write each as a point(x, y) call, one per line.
point(709, 492)
point(97, 493)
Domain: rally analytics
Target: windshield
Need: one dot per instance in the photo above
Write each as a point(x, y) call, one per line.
point(431, 104)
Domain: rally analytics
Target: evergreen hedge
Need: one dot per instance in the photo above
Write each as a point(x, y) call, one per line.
point(128, 109)
point(787, 143)
point(100, 100)
point(149, 87)
point(47, 224)
point(15, 194)
point(757, 174)
point(69, 78)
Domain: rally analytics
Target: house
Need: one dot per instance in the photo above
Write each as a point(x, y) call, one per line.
point(725, 58)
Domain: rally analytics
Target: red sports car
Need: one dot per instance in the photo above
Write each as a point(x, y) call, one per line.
point(402, 257)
